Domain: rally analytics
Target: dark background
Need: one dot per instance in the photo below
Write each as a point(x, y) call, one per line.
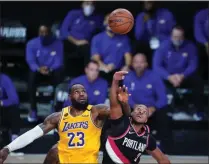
point(31, 14)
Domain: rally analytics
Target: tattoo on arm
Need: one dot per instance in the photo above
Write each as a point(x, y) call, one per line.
point(102, 110)
point(50, 122)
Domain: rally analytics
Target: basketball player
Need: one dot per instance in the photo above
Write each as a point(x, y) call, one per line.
point(129, 137)
point(79, 128)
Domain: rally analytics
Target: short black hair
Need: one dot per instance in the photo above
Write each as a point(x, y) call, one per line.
point(71, 87)
point(178, 27)
point(92, 61)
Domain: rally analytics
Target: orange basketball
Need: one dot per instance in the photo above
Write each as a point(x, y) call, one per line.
point(121, 21)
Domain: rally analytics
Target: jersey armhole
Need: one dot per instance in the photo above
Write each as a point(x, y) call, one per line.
point(92, 118)
point(62, 114)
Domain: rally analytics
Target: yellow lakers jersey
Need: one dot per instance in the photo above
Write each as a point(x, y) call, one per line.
point(79, 138)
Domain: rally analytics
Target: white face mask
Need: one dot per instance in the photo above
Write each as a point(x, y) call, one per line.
point(88, 10)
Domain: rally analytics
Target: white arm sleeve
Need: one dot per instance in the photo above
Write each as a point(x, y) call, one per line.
point(25, 139)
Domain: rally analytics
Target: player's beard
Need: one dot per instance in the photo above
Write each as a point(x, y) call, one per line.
point(78, 105)
point(135, 122)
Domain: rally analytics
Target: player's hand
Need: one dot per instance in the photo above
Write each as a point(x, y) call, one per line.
point(120, 75)
point(44, 70)
point(173, 80)
point(81, 42)
point(123, 94)
point(3, 155)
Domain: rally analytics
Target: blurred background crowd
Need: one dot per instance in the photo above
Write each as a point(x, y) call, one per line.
point(46, 47)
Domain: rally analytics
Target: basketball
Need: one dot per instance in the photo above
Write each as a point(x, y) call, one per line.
point(121, 21)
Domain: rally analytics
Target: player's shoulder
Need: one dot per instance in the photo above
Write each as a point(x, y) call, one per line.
point(102, 81)
point(77, 79)
point(189, 44)
point(202, 12)
point(100, 107)
point(99, 35)
point(75, 12)
point(33, 41)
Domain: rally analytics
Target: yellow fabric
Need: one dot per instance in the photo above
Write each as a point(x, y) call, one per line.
point(79, 138)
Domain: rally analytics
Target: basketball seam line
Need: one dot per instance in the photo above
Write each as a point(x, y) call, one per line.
point(123, 17)
point(121, 24)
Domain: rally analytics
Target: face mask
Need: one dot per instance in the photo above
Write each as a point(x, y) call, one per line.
point(47, 40)
point(177, 42)
point(88, 10)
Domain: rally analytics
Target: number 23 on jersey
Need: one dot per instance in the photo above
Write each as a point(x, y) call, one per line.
point(76, 139)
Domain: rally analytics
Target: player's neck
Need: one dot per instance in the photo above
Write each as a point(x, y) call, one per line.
point(138, 127)
point(76, 112)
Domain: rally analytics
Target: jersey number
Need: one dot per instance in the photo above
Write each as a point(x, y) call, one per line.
point(72, 136)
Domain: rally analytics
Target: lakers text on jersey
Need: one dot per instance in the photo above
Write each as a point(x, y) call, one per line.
point(79, 138)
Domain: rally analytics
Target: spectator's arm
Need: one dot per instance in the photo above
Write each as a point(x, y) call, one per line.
point(58, 62)
point(66, 24)
point(198, 29)
point(127, 84)
point(157, 63)
point(31, 58)
point(12, 97)
point(95, 53)
point(139, 27)
point(160, 89)
point(128, 56)
point(193, 60)
point(103, 94)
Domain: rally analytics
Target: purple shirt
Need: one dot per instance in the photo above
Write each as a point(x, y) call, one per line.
point(111, 49)
point(8, 93)
point(167, 60)
point(201, 26)
point(159, 26)
point(38, 55)
point(79, 26)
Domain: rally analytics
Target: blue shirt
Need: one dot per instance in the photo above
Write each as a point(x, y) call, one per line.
point(201, 26)
point(96, 90)
point(159, 26)
point(111, 49)
point(8, 92)
point(77, 25)
point(147, 89)
point(38, 55)
point(167, 60)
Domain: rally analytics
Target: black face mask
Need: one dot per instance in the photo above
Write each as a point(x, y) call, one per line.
point(79, 106)
point(47, 40)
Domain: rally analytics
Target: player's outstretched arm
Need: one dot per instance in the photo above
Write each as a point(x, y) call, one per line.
point(25, 139)
point(160, 157)
point(115, 108)
point(123, 96)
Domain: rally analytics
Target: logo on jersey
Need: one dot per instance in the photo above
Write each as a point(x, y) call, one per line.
point(134, 144)
point(75, 125)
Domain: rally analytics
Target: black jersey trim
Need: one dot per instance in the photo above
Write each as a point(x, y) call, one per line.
point(121, 136)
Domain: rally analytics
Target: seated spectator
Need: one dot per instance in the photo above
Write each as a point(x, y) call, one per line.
point(201, 27)
point(44, 55)
point(111, 51)
point(153, 26)
point(148, 88)
point(96, 87)
point(9, 101)
point(176, 62)
point(78, 28)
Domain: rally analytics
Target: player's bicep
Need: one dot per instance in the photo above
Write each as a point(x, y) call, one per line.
point(119, 126)
point(102, 111)
point(50, 122)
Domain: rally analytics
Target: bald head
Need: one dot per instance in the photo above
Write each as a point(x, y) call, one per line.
point(139, 63)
